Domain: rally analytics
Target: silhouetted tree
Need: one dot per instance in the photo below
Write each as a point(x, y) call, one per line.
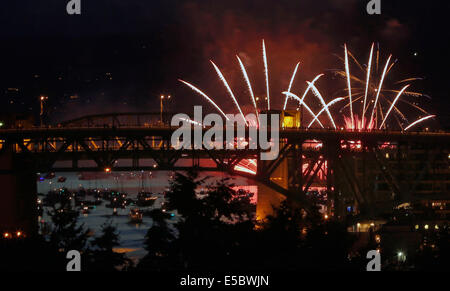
point(434, 252)
point(66, 234)
point(217, 230)
point(300, 239)
point(159, 243)
point(103, 257)
point(210, 226)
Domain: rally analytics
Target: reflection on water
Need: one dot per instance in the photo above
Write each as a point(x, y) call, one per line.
point(131, 234)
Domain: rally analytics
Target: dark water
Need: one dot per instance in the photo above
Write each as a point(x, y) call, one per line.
point(131, 234)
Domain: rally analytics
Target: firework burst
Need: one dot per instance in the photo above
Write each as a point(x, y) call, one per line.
point(378, 101)
point(375, 98)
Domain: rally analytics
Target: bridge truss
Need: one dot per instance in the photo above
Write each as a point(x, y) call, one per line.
point(396, 165)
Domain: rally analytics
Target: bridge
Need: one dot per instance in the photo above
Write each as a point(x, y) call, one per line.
point(366, 166)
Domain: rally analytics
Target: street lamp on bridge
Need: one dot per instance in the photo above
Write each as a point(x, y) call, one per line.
point(163, 97)
point(42, 99)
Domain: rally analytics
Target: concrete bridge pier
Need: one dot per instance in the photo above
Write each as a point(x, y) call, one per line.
point(18, 195)
point(268, 198)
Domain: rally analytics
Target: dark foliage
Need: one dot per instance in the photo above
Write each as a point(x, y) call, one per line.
point(102, 256)
point(218, 231)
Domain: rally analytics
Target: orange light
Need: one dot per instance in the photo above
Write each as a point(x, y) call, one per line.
point(107, 170)
point(326, 216)
point(19, 234)
point(6, 235)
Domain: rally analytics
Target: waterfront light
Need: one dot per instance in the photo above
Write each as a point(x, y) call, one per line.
point(401, 256)
point(378, 238)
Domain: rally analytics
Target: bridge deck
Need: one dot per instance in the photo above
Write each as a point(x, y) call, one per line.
point(301, 134)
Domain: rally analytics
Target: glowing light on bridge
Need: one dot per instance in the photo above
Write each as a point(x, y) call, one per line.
point(248, 166)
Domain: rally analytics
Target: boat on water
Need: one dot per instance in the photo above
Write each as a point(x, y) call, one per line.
point(85, 210)
point(49, 176)
point(136, 215)
point(116, 199)
point(145, 199)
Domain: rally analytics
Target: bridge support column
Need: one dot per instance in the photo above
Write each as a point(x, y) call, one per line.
point(266, 201)
point(331, 149)
point(18, 195)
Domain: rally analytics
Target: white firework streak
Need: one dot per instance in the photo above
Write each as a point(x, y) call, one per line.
point(393, 104)
point(390, 67)
point(310, 86)
point(244, 72)
point(290, 84)
point(325, 108)
point(253, 162)
point(318, 95)
point(347, 72)
point(379, 89)
point(192, 121)
point(267, 75)
point(408, 80)
point(367, 86)
point(419, 121)
point(205, 96)
point(292, 95)
point(244, 169)
point(229, 90)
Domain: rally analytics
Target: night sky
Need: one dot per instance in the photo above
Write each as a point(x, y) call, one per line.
point(121, 55)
